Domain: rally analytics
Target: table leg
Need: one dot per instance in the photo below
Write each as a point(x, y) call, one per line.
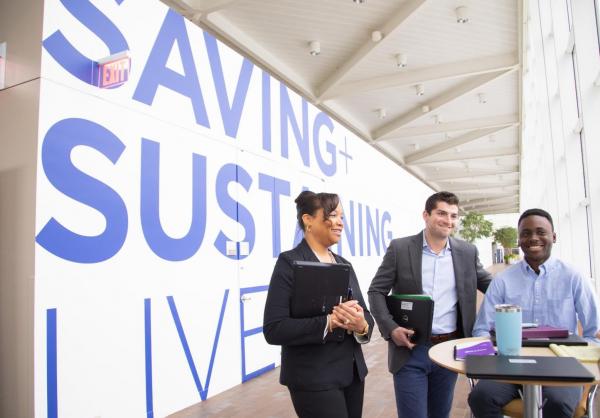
point(532, 401)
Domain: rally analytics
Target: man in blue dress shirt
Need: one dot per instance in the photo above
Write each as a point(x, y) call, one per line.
point(549, 292)
point(447, 269)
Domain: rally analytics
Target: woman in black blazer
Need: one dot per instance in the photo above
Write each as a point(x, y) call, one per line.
point(325, 376)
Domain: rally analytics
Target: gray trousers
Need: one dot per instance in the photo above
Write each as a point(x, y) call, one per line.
point(488, 397)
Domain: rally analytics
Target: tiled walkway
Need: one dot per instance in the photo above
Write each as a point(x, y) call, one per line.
point(264, 397)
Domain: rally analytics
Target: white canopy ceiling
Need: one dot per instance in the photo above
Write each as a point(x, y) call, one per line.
point(462, 134)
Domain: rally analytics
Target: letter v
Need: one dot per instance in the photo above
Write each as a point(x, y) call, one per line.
point(230, 114)
point(186, 348)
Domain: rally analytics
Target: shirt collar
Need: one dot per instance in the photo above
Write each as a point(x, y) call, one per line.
point(545, 267)
point(446, 247)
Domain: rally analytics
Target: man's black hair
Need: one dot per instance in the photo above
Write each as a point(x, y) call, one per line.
point(536, 212)
point(449, 198)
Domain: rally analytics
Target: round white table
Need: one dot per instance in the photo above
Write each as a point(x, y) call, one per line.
point(443, 355)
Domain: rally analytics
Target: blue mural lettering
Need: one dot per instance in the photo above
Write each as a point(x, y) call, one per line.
point(230, 113)
point(266, 111)
point(58, 143)
point(245, 333)
point(157, 74)
point(202, 389)
point(330, 168)
point(276, 187)
point(235, 210)
point(164, 246)
point(73, 61)
point(287, 115)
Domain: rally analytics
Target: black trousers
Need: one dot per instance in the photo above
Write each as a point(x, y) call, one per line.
point(344, 402)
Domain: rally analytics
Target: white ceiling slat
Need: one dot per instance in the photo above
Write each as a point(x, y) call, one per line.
point(452, 143)
point(471, 155)
point(465, 174)
point(424, 75)
point(468, 86)
point(206, 6)
point(512, 207)
point(443, 127)
point(479, 187)
point(487, 200)
point(510, 200)
point(369, 46)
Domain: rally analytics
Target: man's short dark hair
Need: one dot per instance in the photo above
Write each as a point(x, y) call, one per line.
point(536, 212)
point(432, 201)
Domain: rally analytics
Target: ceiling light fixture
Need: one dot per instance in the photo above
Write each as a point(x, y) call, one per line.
point(461, 14)
point(401, 60)
point(425, 108)
point(420, 88)
point(315, 48)
point(482, 98)
point(359, 1)
point(381, 113)
point(376, 36)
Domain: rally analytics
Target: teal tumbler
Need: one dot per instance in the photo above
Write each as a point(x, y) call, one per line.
point(508, 329)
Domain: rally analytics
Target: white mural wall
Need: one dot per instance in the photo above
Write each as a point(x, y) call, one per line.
point(163, 203)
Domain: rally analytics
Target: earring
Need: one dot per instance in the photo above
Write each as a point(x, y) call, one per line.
point(308, 228)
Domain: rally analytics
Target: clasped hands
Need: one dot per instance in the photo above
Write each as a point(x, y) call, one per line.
point(349, 316)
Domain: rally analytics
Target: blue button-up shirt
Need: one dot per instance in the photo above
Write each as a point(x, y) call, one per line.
point(437, 272)
point(558, 297)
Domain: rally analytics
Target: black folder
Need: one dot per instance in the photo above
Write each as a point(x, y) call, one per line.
point(572, 339)
point(318, 287)
point(414, 312)
point(557, 369)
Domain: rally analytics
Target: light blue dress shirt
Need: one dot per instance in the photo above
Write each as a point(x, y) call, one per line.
point(437, 272)
point(558, 297)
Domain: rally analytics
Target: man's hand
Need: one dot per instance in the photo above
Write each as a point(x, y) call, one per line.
point(401, 337)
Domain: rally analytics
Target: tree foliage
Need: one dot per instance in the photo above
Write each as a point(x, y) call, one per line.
point(506, 236)
point(473, 226)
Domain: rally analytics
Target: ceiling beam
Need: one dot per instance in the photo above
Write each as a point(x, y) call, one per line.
point(387, 30)
point(465, 174)
point(441, 100)
point(487, 200)
point(492, 209)
point(498, 212)
point(514, 200)
point(449, 144)
point(425, 75)
point(203, 7)
point(443, 127)
point(472, 155)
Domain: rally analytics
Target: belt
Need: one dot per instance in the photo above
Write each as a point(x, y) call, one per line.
point(440, 338)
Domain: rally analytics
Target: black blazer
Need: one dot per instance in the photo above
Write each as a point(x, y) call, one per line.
point(309, 362)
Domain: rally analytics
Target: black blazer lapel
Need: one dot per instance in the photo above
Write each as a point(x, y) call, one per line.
point(305, 252)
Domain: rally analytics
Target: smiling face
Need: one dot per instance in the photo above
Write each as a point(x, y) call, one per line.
point(440, 223)
point(535, 239)
point(326, 230)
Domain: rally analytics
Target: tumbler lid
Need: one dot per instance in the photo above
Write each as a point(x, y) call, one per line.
point(507, 308)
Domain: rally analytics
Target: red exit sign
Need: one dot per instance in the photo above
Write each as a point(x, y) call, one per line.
point(114, 70)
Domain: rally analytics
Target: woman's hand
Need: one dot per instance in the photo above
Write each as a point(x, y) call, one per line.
point(350, 316)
